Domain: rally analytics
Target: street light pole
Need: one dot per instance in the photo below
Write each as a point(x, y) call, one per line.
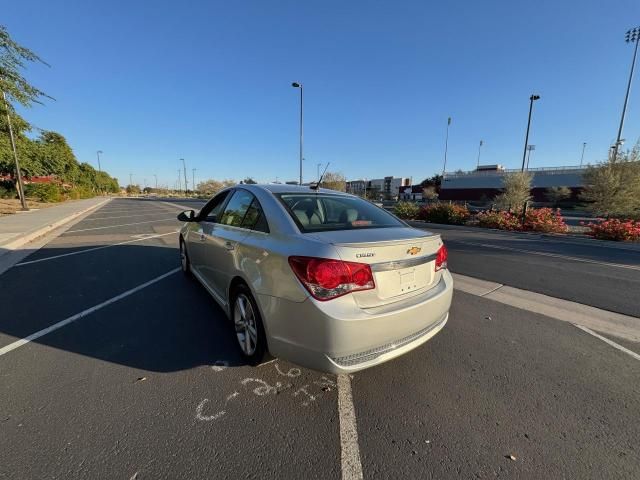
point(131, 179)
point(532, 98)
point(98, 155)
point(184, 166)
point(479, 147)
point(584, 145)
point(23, 200)
point(193, 179)
point(179, 180)
point(446, 147)
point(299, 85)
point(632, 36)
point(156, 177)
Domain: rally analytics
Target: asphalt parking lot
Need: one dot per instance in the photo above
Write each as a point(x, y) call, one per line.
point(144, 379)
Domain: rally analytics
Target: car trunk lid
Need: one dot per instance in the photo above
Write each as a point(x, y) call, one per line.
point(402, 261)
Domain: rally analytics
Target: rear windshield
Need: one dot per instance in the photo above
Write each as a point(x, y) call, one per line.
point(318, 212)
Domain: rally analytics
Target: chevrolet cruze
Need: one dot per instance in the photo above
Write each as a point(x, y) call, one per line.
point(321, 278)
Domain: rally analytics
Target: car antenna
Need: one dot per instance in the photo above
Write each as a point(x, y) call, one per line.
point(316, 185)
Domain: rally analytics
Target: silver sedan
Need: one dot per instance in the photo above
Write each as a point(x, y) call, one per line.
point(321, 278)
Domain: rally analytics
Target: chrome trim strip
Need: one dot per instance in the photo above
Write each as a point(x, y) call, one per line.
point(398, 264)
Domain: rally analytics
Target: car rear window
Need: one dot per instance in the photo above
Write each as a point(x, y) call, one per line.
point(318, 212)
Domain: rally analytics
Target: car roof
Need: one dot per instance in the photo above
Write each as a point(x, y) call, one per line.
point(284, 188)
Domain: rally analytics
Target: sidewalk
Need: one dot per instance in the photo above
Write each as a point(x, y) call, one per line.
point(21, 228)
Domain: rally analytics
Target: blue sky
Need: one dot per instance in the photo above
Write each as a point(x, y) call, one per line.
point(149, 82)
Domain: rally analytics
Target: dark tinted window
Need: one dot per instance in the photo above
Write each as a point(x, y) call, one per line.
point(211, 211)
point(254, 218)
point(237, 208)
point(319, 212)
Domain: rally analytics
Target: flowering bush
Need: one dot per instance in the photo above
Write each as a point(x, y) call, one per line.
point(498, 219)
point(614, 229)
point(545, 220)
point(537, 220)
point(406, 210)
point(444, 213)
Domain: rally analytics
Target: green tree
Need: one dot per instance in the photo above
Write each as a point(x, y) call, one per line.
point(49, 153)
point(434, 181)
point(612, 188)
point(57, 157)
point(133, 190)
point(556, 194)
point(249, 181)
point(334, 181)
point(429, 193)
point(516, 191)
point(13, 60)
point(211, 187)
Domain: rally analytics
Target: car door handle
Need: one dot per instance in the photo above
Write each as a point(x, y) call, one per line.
point(229, 245)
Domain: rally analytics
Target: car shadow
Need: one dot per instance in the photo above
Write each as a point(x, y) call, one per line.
point(168, 325)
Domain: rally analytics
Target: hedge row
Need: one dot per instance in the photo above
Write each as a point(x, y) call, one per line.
point(536, 220)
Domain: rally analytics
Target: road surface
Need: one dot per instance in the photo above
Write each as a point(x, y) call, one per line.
point(145, 380)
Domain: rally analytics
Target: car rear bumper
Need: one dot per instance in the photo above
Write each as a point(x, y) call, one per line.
point(340, 337)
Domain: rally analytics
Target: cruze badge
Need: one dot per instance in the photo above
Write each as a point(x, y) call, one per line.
point(363, 255)
point(414, 250)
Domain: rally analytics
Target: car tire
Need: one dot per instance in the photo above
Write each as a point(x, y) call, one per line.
point(249, 330)
point(185, 263)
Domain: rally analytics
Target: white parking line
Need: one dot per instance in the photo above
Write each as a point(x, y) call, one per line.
point(154, 212)
point(349, 449)
point(184, 207)
point(121, 225)
point(94, 249)
point(547, 254)
point(84, 313)
point(610, 342)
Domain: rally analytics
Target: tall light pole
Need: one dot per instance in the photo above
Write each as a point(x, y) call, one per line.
point(532, 99)
point(98, 153)
point(299, 85)
point(20, 185)
point(632, 36)
point(584, 145)
point(193, 179)
point(184, 166)
point(131, 179)
point(479, 148)
point(530, 148)
point(179, 179)
point(446, 147)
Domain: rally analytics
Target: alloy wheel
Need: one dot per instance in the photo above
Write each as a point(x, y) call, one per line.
point(245, 324)
point(183, 257)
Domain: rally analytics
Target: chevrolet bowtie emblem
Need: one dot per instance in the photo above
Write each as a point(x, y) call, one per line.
point(414, 250)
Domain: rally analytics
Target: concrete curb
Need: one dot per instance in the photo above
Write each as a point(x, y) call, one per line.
point(31, 236)
point(616, 324)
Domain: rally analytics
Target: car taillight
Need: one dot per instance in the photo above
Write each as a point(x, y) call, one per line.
point(441, 258)
point(326, 278)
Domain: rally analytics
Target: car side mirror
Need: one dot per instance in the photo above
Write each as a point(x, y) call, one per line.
point(187, 216)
